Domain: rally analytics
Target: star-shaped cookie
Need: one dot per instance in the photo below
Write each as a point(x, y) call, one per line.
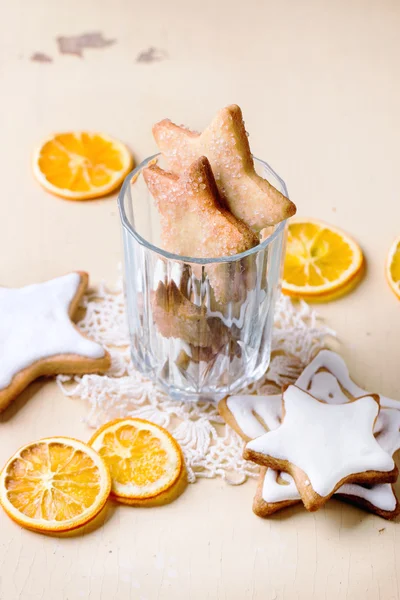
point(37, 336)
point(177, 317)
point(195, 222)
point(327, 378)
point(277, 490)
point(248, 196)
point(324, 446)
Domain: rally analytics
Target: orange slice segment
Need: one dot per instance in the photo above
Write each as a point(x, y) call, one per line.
point(320, 260)
point(81, 165)
point(144, 459)
point(53, 485)
point(393, 267)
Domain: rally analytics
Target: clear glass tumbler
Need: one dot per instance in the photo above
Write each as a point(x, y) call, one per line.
point(191, 343)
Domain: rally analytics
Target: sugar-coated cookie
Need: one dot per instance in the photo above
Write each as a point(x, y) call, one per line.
point(195, 222)
point(177, 317)
point(194, 219)
point(249, 197)
point(37, 336)
point(327, 378)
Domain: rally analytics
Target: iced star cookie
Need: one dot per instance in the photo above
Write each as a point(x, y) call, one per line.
point(37, 336)
point(248, 196)
point(195, 222)
point(251, 416)
point(327, 378)
point(324, 446)
point(277, 490)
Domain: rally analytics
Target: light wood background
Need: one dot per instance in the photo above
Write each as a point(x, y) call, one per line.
point(319, 86)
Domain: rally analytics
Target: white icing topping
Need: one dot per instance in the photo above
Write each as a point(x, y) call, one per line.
point(272, 491)
point(34, 324)
point(325, 386)
point(387, 428)
point(342, 439)
point(381, 496)
point(245, 408)
point(336, 365)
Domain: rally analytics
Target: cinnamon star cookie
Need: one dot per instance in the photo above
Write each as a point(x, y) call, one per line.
point(327, 378)
point(37, 336)
point(324, 446)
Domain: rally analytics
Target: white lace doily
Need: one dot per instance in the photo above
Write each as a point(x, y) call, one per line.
point(210, 447)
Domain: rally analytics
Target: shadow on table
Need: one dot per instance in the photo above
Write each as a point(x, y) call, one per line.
point(24, 397)
point(103, 517)
point(335, 511)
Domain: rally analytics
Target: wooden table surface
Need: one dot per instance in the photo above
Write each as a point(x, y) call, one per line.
point(319, 86)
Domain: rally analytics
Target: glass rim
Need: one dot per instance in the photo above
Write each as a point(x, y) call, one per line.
point(191, 259)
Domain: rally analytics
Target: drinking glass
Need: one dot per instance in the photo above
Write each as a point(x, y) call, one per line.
point(193, 343)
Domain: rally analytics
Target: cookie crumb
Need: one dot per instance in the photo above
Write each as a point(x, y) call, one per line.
point(381, 530)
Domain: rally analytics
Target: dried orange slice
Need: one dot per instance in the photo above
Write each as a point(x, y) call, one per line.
point(338, 292)
point(393, 267)
point(145, 462)
point(53, 485)
point(321, 261)
point(81, 165)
